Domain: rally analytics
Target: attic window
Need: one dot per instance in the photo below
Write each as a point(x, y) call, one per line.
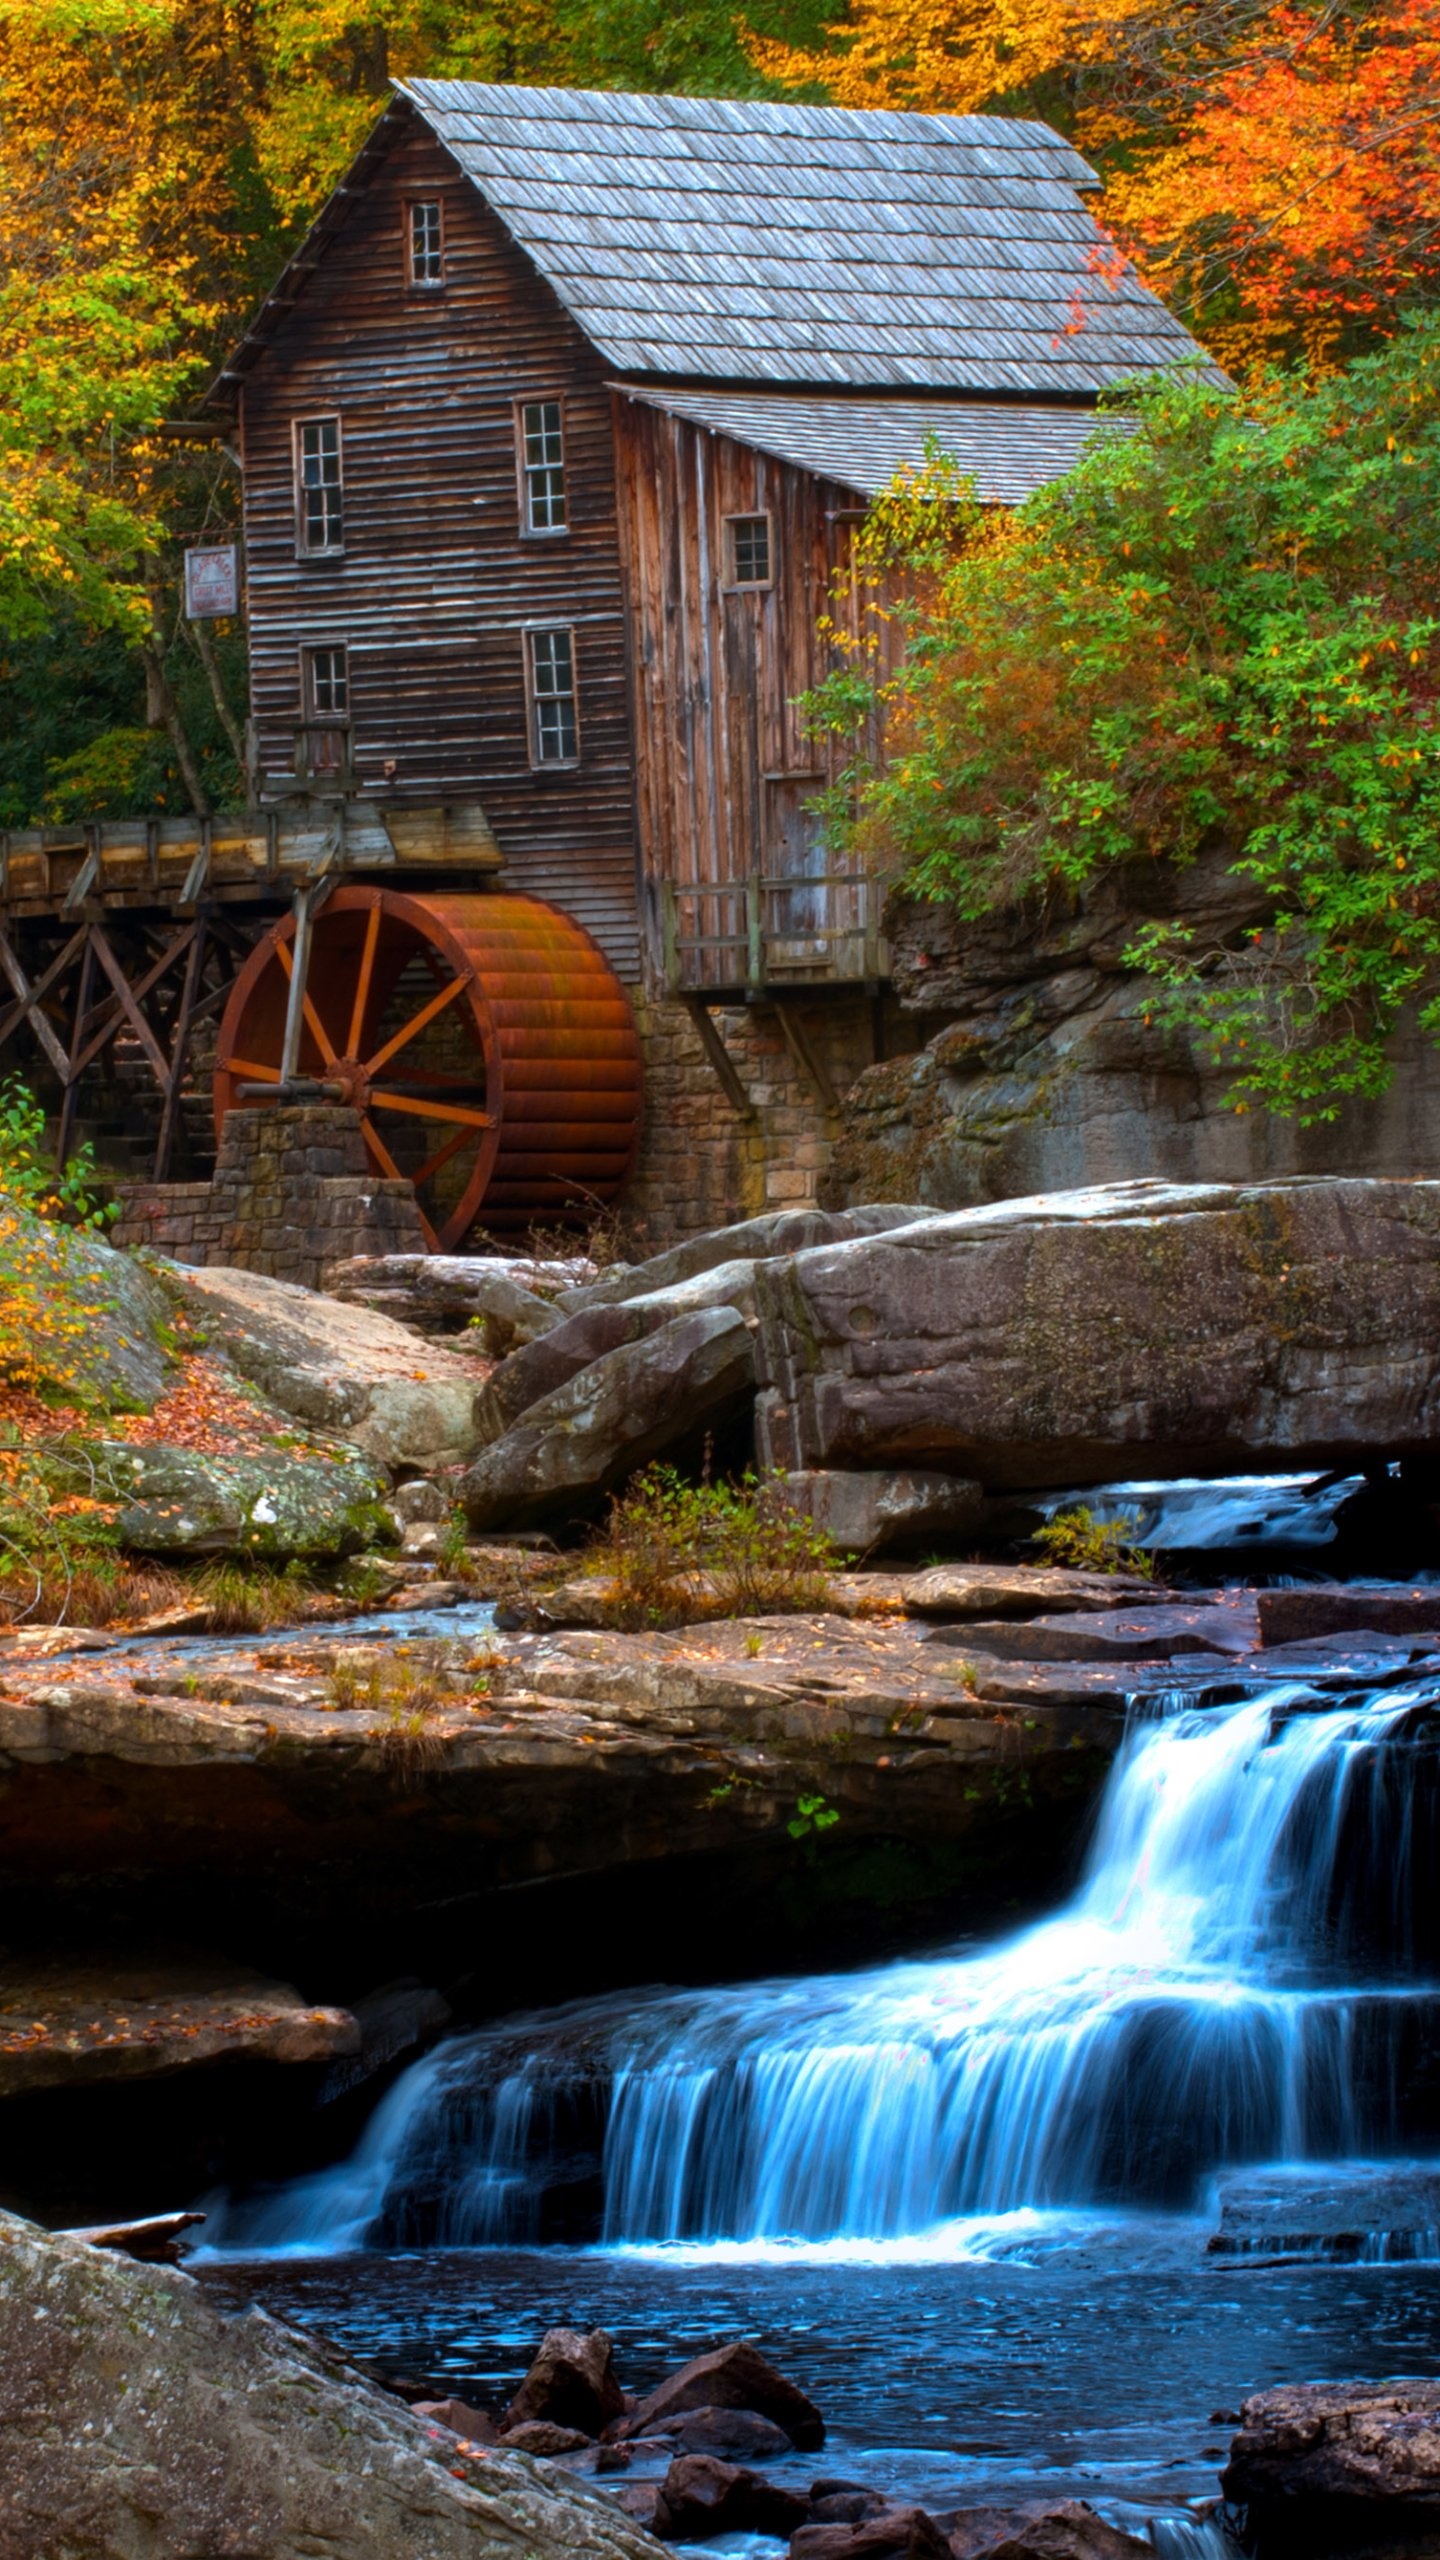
point(542, 467)
point(319, 514)
point(426, 244)
point(749, 551)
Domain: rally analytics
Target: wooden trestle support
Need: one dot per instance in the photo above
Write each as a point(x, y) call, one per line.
point(484, 1039)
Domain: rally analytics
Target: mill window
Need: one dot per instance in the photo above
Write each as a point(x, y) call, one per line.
point(426, 245)
point(542, 467)
point(554, 719)
point(749, 547)
point(318, 499)
point(327, 684)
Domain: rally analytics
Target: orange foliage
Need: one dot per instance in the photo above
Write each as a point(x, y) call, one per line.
point(1272, 168)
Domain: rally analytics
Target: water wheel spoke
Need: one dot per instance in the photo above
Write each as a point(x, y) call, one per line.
point(362, 983)
point(411, 1103)
point(252, 1068)
point(316, 1027)
point(418, 1022)
point(436, 1163)
point(390, 1168)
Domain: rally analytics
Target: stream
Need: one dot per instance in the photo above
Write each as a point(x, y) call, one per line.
point(969, 2201)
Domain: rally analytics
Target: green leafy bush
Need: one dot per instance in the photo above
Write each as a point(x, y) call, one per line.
point(1219, 634)
point(27, 1168)
point(675, 1551)
point(1078, 1538)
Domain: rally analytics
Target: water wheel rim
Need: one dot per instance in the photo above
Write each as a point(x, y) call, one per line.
point(426, 919)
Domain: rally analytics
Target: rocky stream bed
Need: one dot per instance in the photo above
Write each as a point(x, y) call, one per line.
point(925, 1982)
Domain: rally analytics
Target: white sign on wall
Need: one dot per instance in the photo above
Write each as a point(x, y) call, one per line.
point(212, 582)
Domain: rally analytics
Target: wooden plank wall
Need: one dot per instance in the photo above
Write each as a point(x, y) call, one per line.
point(723, 767)
point(436, 581)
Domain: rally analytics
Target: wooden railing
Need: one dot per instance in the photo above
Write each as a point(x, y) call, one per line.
point(780, 929)
point(174, 862)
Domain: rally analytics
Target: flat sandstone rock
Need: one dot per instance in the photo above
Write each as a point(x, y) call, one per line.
point(71, 2026)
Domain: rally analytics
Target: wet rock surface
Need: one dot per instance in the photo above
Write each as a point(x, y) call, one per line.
point(1352, 2213)
point(1325, 2467)
point(572, 2383)
point(138, 2421)
point(733, 2377)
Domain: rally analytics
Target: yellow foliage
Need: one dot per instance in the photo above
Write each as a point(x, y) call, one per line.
point(947, 57)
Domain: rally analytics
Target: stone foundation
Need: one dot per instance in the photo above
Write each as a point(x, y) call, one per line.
point(292, 1192)
point(702, 1164)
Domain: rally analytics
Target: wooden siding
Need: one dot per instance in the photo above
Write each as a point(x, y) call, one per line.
point(436, 583)
point(724, 770)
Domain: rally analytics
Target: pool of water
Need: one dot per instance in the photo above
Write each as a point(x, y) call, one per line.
point(1081, 2358)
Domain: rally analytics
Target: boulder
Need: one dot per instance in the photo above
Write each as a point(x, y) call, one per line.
point(114, 1344)
point(471, 2425)
point(419, 1500)
point(1338, 2212)
point(73, 2025)
point(780, 1231)
point(183, 1502)
point(438, 1293)
point(1326, 2466)
point(895, 2533)
point(733, 2377)
point(861, 1513)
point(735, 2435)
point(342, 1369)
point(1022, 1591)
point(1082, 1337)
point(701, 2497)
point(140, 2421)
point(618, 1413)
point(1317, 1609)
point(571, 2382)
point(540, 1367)
point(543, 2437)
point(1069, 2530)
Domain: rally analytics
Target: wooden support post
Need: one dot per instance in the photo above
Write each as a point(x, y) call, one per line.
point(718, 1055)
point(179, 1050)
point(807, 1059)
point(670, 936)
point(295, 1006)
point(30, 1007)
point(71, 1100)
point(754, 932)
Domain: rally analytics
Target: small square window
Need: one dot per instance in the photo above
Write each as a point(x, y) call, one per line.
point(327, 684)
point(749, 551)
point(542, 467)
point(320, 520)
point(555, 726)
point(426, 245)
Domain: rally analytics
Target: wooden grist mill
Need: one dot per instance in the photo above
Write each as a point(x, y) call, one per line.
point(161, 975)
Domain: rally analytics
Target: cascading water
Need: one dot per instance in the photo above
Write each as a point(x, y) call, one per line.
point(1233, 1981)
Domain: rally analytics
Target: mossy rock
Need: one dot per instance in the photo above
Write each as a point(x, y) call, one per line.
point(186, 1503)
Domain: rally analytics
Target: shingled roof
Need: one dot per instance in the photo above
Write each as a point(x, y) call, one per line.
point(1009, 448)
point(753, 242)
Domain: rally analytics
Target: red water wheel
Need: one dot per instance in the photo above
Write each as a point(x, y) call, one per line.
point(487, 1045)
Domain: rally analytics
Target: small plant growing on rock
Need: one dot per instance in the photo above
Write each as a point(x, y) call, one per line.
point(1090, 1545)
point(676, 1552)
point(354, 1681)
point(248, 1599)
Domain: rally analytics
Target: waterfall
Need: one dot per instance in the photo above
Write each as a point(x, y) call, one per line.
point(1233, 1981)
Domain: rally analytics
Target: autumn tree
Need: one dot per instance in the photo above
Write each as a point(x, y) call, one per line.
point(1220, 635)
point(1271, 164)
